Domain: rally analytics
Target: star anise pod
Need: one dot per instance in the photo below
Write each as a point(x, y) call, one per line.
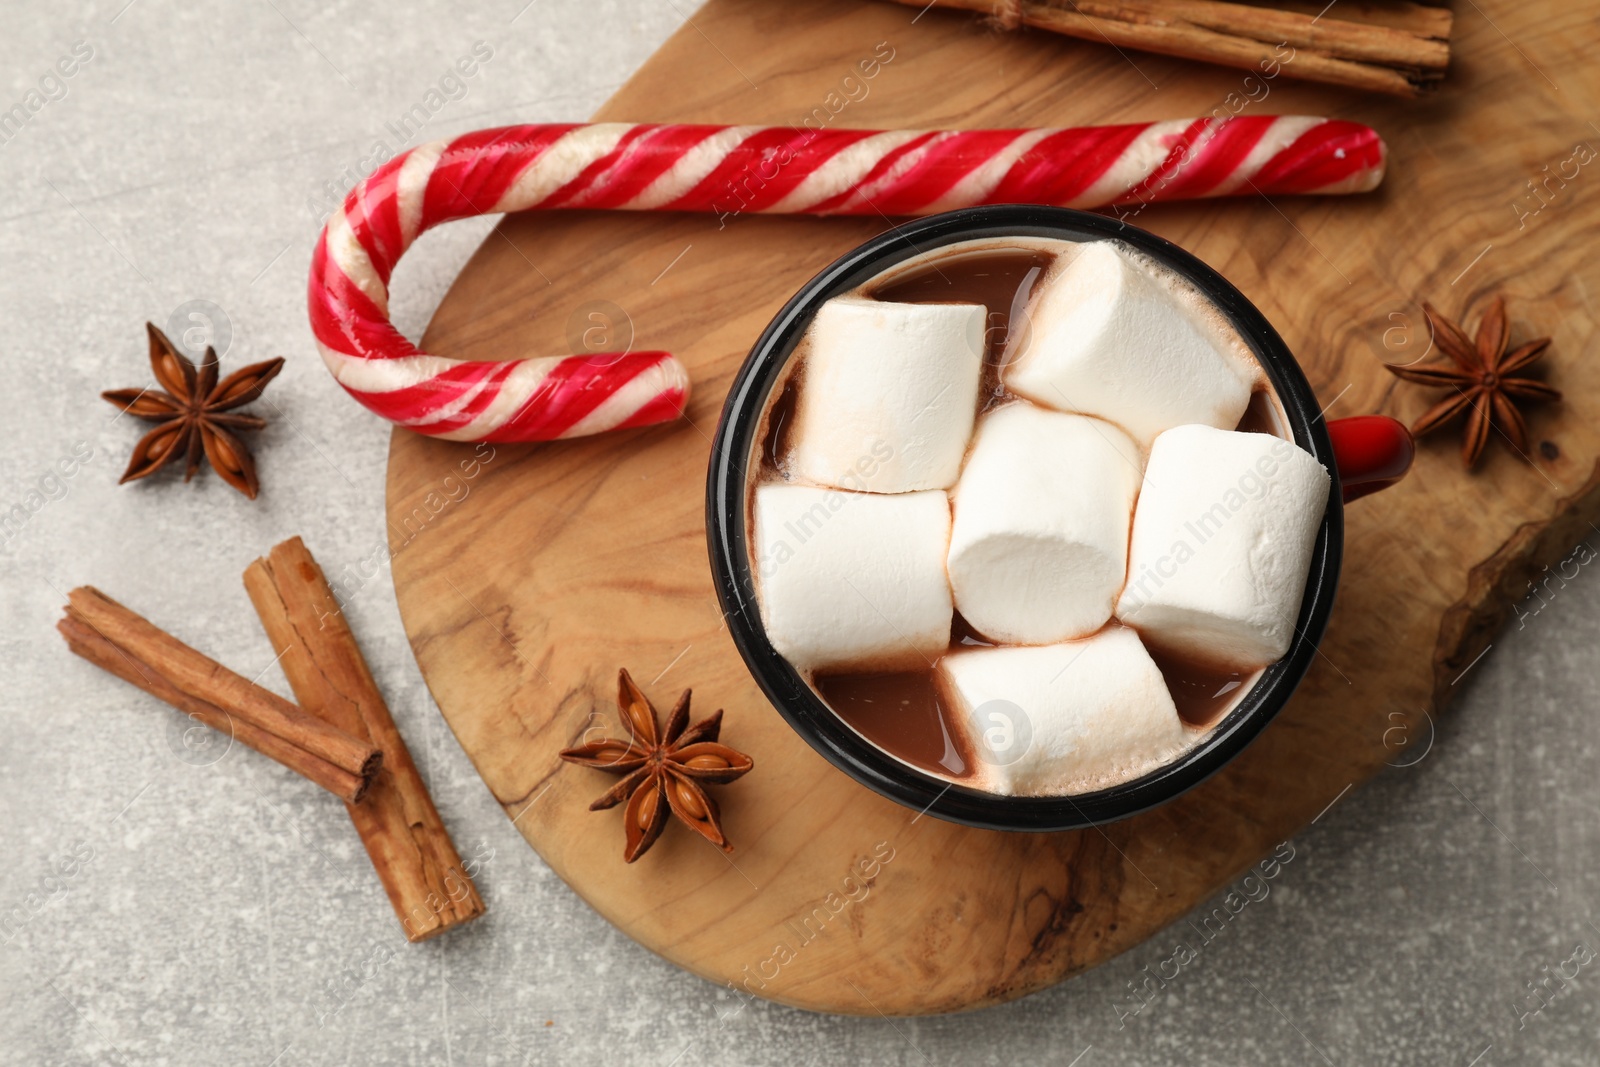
point(662, 771)
point(194, 414)
point(1483, 379)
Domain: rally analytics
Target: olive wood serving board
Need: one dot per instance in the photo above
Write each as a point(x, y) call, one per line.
point(525, 591)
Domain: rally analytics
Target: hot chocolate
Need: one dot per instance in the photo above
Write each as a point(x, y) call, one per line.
point(950, 477)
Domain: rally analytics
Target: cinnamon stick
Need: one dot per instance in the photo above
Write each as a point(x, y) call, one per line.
point(1401, 56)
point(415, 859)
point(121, 642)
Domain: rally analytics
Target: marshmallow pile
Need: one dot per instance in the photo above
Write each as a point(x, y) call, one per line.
point(1105, 504)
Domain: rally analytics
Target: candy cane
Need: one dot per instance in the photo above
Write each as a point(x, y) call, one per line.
point(730, 170)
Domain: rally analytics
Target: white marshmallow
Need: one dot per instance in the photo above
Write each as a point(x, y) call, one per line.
point(1068, 718)
point(1105, 337)
point(1222, 541)
point(889, 395)
point(1039, 546)
point(853, 580)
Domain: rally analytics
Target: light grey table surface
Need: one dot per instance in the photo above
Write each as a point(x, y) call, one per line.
point(223, 912)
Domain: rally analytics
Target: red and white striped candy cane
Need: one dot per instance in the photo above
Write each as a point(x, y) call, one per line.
point(729, 170)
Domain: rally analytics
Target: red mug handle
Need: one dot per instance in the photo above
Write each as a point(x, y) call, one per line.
point(1372, 452)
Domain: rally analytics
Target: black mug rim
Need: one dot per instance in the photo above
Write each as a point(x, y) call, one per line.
point(793, 697)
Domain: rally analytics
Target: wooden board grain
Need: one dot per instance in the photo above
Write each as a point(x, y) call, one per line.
point(527, 575)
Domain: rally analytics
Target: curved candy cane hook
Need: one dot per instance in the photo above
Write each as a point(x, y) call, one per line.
point(730, 170)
